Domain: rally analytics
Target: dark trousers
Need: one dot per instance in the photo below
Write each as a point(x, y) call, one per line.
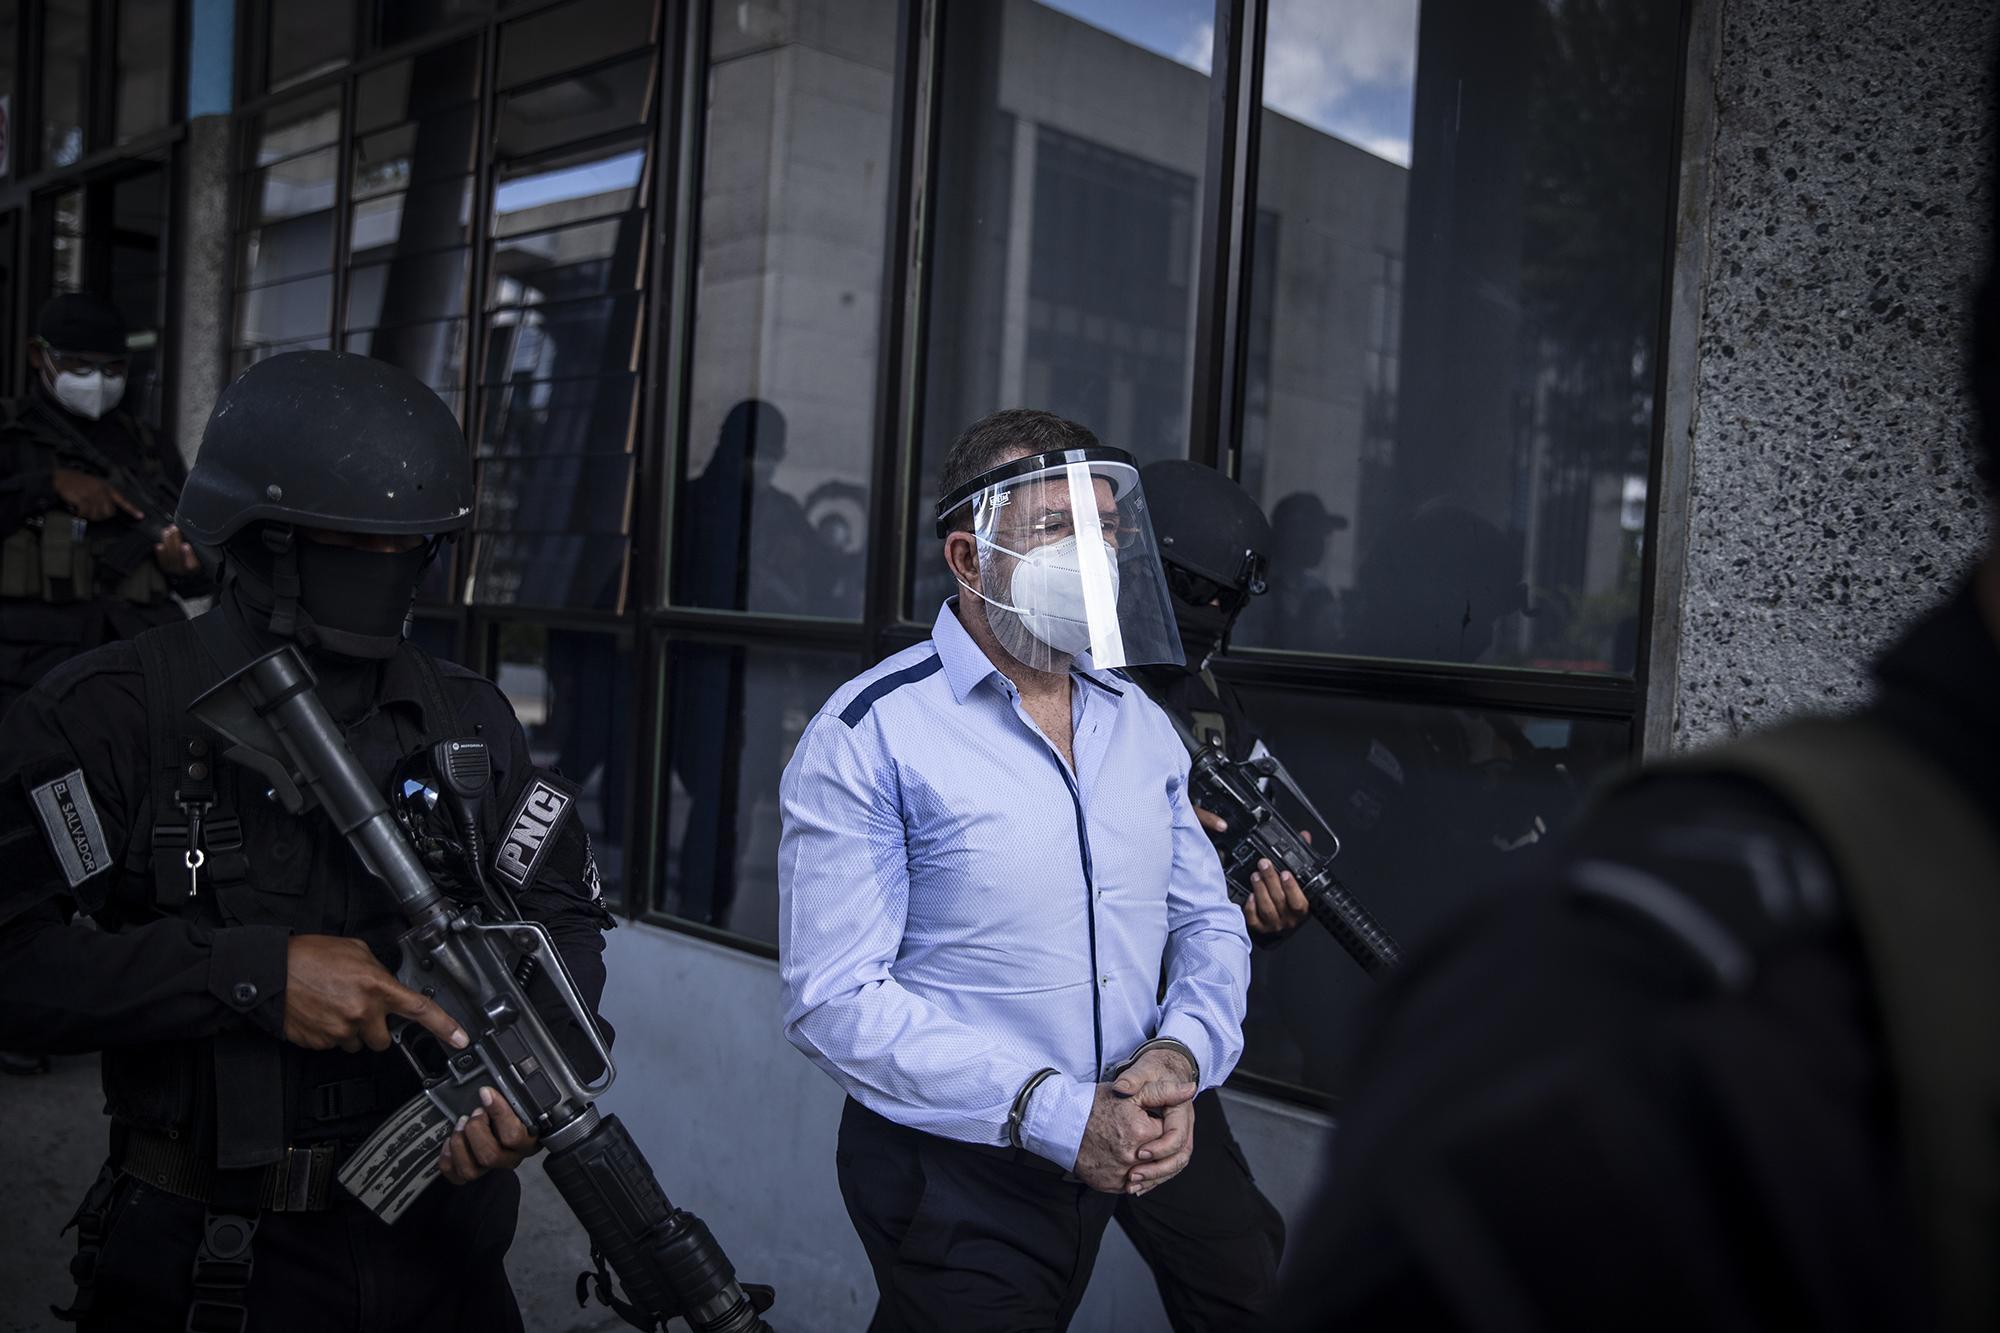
point(1210, 1236)
point(963, 1237)
point(440, 1269)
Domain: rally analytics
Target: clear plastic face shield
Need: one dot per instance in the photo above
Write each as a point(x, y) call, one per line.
point(1068, 567)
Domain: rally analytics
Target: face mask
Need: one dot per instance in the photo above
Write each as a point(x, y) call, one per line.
point(1047, 594)
point(89, 395)
point(355, 601)
point(1204, 632)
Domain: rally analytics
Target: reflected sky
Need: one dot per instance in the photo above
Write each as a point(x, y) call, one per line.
point(1347, 69)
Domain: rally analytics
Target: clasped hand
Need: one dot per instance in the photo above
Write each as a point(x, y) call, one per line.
point(1141, 1129)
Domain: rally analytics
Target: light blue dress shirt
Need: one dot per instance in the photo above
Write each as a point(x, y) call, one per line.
point(958, 910)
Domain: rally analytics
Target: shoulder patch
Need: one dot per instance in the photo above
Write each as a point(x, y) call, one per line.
point(530, 831)
point(857, 707)
point(70, 821)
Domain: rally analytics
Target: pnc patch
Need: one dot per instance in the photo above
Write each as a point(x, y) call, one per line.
point(531, 832)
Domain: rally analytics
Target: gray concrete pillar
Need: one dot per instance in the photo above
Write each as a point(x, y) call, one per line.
point(1829, 494)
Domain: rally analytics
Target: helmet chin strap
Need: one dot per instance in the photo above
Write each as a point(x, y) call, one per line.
point(282, 544)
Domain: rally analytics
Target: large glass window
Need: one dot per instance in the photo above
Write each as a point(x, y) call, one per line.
point(145, 83)
point(287, 243)
point(65, 67)
point(565, 309)
point(409, 220)
point(734, 715)
point(781, 426)
point(1433, 806)
point(307, 39)
point(1461, 225)
point(572, 691)
point(1072, 144)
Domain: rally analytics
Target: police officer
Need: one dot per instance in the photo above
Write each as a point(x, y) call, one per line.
point(228, 959)
point(88, 552)
point(1210, 1236)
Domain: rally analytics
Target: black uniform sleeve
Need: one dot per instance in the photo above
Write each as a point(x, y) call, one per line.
point(541, 854)
point(72, 781)
point(1642, 1092)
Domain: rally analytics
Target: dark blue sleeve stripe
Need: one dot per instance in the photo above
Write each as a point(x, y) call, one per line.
point(858, 707)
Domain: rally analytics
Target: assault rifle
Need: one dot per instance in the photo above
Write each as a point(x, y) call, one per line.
point(473, 959)
point(1259, 831)
point(156, 506)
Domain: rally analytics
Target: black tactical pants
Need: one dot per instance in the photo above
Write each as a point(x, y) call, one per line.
point(966, 1238)
point(1210, 1236)
point(440, 1269)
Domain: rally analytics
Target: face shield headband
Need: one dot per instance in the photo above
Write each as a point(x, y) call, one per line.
point(1067, 561)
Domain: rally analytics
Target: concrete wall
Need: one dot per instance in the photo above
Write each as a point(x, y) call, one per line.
point(741, 1130)
point(1831, 494)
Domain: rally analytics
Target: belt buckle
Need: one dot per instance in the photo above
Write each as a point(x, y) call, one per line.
point(296, 1197)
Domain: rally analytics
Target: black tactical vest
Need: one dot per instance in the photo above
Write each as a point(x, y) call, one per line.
point(244, 1093)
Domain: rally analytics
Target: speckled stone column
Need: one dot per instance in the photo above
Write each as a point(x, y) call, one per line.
point(1831, 495)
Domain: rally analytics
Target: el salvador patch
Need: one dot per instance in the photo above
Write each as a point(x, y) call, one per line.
point(70, 821)
point(531, 831)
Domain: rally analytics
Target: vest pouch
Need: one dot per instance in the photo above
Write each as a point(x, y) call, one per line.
point(151, 1085)
point(21, 563)
point(67, 567)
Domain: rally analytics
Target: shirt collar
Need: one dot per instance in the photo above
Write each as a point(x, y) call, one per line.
point(966, 663)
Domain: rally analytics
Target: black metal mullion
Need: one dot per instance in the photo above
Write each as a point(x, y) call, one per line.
point(343, 215)
point(484, 120)
point(1229, 205)
point(905, 294)
point(665, 373)
point(1441, 685)
point(648, 521)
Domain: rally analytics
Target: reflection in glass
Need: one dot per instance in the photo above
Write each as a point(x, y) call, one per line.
point(570, 35)
point(294, 127)
point(547, 569)
point(295, 248)
point(1434, 807)
point(285, 311)
point(309, 39)
point(418, 88)
point(423, 150)
point(145, 67)
point(66, 241)
point(793, 235)
point(406, 290)
point(734, 716)
point(597, 488)
point(416, 221)
point(1462, 215)
point(603, 101)
point(65, 69)
point(526, 416)
point(572, 690)
point(1072, 148)
point(138, 282)
point(303, 184)
point(558, 381)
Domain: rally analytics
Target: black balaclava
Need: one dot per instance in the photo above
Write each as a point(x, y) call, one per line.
point(1204, 631)
point(346, 606)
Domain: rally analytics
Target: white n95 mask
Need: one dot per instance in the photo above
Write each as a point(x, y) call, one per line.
point(91, 394)
point(1047, 594)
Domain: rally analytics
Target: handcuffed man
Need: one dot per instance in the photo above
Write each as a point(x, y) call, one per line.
point(988, 850)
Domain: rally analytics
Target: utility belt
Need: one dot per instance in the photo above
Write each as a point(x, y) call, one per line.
point(55, 558)
point(302, 1181)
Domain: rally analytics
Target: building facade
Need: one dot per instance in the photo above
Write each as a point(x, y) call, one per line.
point(1584, 353)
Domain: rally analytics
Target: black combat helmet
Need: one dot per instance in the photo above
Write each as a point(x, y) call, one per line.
point(1215, 543)
point(328, 440)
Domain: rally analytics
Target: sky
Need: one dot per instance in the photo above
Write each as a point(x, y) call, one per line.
point(1344, 67)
